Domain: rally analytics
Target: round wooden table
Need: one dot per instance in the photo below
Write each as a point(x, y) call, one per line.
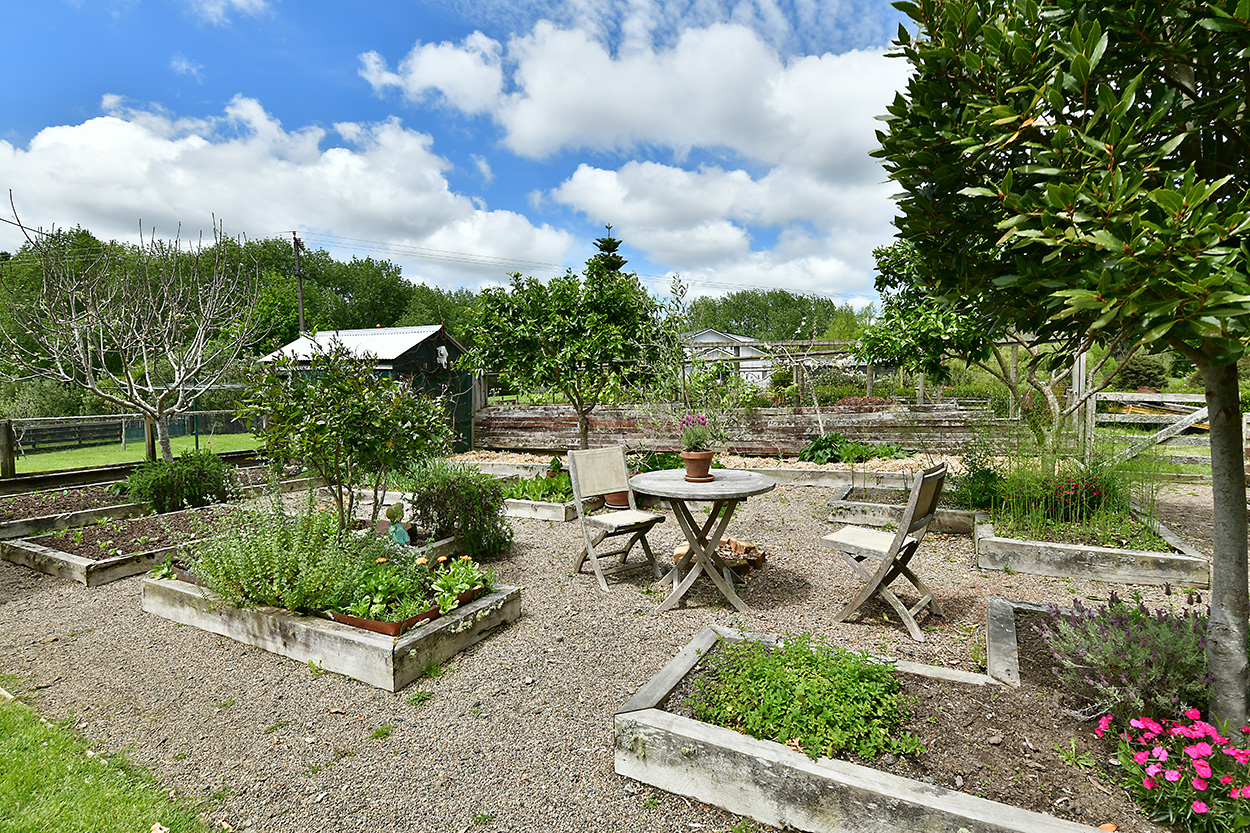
point(725, 492)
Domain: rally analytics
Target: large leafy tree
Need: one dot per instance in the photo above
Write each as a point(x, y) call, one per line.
point(920, 332)
point(1081, 167)
point(581, 335)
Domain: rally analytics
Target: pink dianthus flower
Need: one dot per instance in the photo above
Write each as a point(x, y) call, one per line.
point(1199, 807)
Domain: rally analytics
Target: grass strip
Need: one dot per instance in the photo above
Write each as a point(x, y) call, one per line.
point(111, 455)
point(49, 782)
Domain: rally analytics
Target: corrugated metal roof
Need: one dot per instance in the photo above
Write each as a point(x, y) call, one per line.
point(383, 343)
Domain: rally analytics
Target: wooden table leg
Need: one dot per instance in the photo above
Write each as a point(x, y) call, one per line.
point(703, 552)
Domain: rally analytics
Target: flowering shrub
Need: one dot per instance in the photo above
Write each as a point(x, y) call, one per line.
point(1184, 772)
point(695, 432)
point(1127, 660)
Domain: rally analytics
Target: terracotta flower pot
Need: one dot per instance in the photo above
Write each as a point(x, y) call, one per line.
point(698, 464)
point(616, 500)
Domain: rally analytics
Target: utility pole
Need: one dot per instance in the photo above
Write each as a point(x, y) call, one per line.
point(299, 280)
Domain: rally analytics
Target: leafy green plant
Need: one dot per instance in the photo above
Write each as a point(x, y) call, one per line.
point(420, 698)
point(194, 478)
point(1071, 756)
point(456, 578)
point(825, 699)
point(835, 448)
point(452, 499)
point(558, 489)
point(383, 731)
point(1124, 659)
point(980, 485)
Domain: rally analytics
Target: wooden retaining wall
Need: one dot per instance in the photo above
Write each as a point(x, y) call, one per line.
point(762, 431)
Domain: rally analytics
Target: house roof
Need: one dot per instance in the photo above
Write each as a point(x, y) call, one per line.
point(382, 343)
point(712, 331)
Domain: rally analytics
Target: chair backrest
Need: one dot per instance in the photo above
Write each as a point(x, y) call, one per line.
point(922, 505)
point(598, 471)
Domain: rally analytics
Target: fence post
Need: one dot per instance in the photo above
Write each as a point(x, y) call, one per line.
point(149, 438)
point(8, 466)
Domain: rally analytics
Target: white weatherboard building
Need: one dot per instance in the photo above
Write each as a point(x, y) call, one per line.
point(744, 354)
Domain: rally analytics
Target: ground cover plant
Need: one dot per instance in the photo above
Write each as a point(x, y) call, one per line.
point(1185, 772)
point(194, 478)
point(455, 500)
point(815, 697)
point(305, 563)
point(52, 780)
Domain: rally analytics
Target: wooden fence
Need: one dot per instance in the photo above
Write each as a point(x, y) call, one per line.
point(1186, 409)
point(764, 431)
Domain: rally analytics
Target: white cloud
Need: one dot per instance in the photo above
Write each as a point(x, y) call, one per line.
point(468, 76)
point(182, 65)
point(793, 196)
point(218, 12)
point(378, 181)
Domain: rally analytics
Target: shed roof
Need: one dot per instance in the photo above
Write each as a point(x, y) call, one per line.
point(383, 343)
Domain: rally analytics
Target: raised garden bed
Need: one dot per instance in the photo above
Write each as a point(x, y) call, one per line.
point(108, 551)
point(540, 509)
point(780, 786)
point(387, 662)
point(1183, 566)
point(35, 513)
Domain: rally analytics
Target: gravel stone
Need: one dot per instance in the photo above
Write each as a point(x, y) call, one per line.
point(518, 733)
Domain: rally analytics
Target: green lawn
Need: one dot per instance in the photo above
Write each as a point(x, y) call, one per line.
point(49, 782)
point(107, 455)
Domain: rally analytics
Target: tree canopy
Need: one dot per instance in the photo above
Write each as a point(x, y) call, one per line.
point(1078, 170)
point(777, 315)
point(580, 335)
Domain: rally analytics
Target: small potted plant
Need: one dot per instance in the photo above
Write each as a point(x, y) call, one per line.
point(696, 434)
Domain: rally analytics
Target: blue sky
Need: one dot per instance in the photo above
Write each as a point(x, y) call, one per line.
point(725, 141)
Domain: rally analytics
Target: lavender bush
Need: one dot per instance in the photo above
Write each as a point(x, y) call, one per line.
point(1123, 659)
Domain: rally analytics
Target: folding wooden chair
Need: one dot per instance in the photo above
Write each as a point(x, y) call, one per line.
point(598, 472)
point(858, 544)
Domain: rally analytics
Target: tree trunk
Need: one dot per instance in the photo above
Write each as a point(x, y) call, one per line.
point(162, 438)
point(583, 427)
point(1226, 635)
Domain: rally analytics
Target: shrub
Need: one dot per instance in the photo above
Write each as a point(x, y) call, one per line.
point(1185, 773)
point(195, 478)
point(452, 499)
point(1123, 659)
point(835, 448)
point(826, 699)
point(979, 487)
point(1144, 371)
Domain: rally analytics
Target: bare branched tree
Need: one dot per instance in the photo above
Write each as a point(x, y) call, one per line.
point(146, 327)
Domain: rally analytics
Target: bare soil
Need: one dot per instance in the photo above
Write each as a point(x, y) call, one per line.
point(39, 504)
point(132, 535)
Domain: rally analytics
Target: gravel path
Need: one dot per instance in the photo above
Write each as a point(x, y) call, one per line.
point(518, 732)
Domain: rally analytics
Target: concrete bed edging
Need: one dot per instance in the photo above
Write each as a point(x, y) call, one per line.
point(85, 571)
point(779, 786)
point(385, 662)
point(1186, 566)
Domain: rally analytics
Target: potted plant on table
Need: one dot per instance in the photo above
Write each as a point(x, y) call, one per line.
point(696, 434)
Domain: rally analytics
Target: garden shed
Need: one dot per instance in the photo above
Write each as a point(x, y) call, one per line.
point(426, 355)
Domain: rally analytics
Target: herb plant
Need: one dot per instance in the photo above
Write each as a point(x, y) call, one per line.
point(825, 699)
point(452, 499)
point(1124, 659)
point(695, 432)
